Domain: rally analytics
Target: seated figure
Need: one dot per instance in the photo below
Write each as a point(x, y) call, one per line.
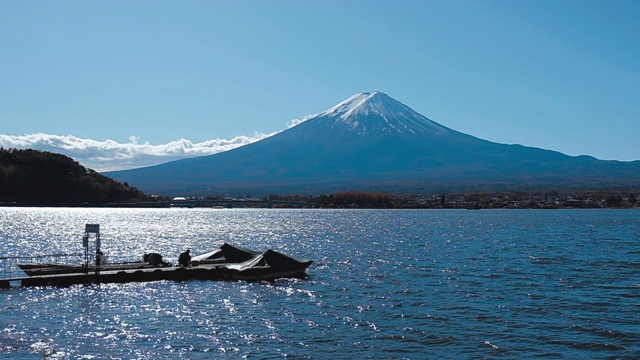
point(185, 258)
point(154, 259)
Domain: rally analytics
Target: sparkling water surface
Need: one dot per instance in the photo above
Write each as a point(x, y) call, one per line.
point(385, 284)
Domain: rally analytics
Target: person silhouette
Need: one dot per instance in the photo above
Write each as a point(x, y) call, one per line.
point(185, 258)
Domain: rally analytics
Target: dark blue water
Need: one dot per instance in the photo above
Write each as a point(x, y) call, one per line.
point(396, 284)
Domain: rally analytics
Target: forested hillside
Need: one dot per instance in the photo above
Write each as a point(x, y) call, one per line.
point(33, 177)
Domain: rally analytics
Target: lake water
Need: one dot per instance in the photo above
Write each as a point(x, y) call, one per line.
point(401, 284)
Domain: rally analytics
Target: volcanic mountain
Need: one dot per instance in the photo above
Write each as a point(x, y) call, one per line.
point(373, 142)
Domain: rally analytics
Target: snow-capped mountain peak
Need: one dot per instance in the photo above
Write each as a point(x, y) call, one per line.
point(360, 103)
point(375, 112)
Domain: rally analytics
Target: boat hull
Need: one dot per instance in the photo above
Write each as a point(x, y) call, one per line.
point(268, 274)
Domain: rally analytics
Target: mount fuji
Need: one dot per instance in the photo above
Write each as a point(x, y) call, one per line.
point(373, 142)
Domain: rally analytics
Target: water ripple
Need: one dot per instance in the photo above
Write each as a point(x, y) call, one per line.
point(384, 284)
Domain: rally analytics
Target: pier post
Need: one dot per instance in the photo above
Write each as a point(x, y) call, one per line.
point(88, 230)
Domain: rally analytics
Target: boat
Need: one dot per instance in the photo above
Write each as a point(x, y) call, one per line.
point(237, 263)
point(269, 265)
point(228, 262)
point(226, 254)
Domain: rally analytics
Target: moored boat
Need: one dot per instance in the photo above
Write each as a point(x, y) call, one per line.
point(268, 266)
point(226, 254)
point(227, 262)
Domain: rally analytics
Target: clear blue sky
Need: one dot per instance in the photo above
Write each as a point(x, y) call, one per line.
point(556, 74)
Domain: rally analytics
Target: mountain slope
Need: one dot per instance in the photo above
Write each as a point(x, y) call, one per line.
point(32, 177)
point(373, 142)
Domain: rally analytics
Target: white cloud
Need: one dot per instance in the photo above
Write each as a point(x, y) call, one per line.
point(110, 155)
point(295, 122)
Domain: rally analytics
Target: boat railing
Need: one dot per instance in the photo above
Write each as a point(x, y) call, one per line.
point(9, 264)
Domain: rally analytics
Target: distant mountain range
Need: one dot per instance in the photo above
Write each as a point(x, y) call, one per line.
point(375, 143)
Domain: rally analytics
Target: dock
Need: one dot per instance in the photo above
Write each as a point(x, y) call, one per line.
point(231, 263)
point(121, 276)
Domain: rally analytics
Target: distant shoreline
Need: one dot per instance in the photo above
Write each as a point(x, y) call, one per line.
point(366, 200)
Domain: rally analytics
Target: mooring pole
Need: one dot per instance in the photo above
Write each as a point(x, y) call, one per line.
point(98, 253)
point(92, 229)
point(85, 245)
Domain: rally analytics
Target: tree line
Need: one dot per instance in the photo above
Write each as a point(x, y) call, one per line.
point(33, 177)
point(359, 199)
point(544, 199)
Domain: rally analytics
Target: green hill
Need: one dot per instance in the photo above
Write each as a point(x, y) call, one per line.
point(32, 177)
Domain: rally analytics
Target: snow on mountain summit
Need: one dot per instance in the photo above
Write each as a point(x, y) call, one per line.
point(375, 112)
point(357, 104)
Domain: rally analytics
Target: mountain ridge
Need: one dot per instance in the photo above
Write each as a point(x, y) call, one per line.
point(372, 141)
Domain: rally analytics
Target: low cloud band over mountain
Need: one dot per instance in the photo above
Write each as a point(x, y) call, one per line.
point(109, 155)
